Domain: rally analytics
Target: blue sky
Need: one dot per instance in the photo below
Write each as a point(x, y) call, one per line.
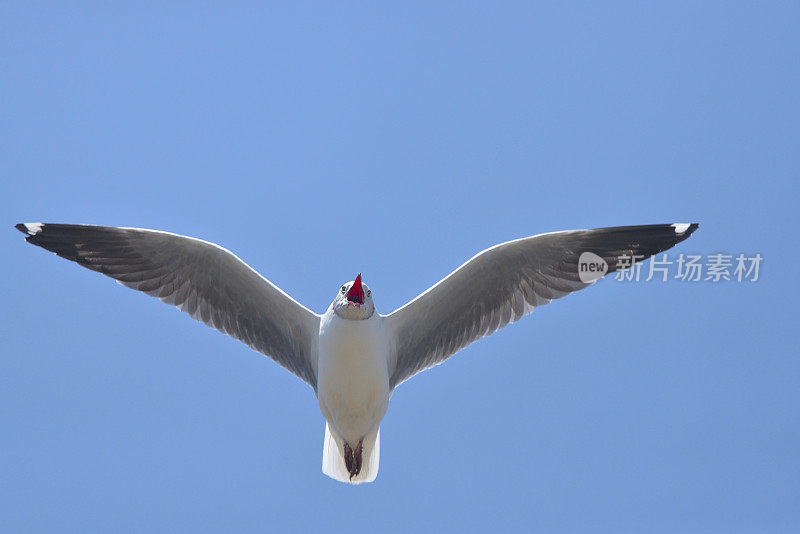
point(317, 141)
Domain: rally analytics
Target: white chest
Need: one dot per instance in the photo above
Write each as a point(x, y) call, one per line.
point(353, 380)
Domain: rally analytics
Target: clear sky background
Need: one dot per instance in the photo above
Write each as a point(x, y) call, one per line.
point(320, 140)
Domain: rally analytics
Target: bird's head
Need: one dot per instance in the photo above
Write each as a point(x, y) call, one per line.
point(354, 301)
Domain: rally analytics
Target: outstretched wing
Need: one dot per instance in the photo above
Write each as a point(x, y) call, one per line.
point(505, 282)
point(200, 278)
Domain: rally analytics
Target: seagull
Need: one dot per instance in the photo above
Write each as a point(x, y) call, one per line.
point(352, 356)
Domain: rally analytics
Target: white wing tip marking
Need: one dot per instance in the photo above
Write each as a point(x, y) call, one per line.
point(680, 228)
point(33, 228)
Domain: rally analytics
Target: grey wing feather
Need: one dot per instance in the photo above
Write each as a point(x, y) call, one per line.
point(200, 278)
point(505, 282)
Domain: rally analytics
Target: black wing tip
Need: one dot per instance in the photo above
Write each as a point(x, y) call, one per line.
point(615, 243)
point(680, 230)
point(29, 229)
point(684, 230)
point(682, 227)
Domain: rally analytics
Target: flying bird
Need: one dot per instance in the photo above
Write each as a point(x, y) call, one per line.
point(352, 356)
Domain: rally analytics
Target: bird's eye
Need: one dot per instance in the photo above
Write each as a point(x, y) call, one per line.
point(369, 292)
point(344, 288)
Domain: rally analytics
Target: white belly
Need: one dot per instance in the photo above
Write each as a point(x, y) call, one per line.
point(353, 380)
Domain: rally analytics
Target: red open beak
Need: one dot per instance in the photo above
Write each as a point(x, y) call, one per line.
point(356, 293)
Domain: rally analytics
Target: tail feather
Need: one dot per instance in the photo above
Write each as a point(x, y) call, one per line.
point(333, 457)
